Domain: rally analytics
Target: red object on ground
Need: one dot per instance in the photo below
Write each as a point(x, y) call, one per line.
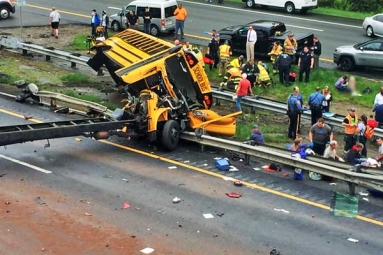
point(234, 194)
point(285, 175)
point(126, 206)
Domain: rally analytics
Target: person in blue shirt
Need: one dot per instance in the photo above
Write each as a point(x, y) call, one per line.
point(294, 109)
point(95, 21)
point(257, 135)
point(379, 114)
point(300, 99)
point(315, 102)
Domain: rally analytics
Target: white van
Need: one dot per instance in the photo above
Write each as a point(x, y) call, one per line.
point(162, 11)
point(289, 5)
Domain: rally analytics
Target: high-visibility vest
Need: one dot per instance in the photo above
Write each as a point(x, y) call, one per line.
point(184, 47)
point(224, 51)
point(235, 63)
point(199, 56)
point(275, 52)
point(263, 74)
point(288, 44)
point(350, 130)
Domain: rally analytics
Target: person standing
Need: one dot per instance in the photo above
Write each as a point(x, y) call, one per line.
point(181, 15)
point(283, 64)
point(378, 98)
point(305, 63)
point(327, 95)
point(147, 20)
point(54, 19)
point(244, 88)
point(95, 21)
point(317, 50)
point(290, 45)
point(274, 53)
point(257, 135)
point(315, 102)
point(294, 108)
point(350, 124)
point(212, 50)
point(301, 101)
point(320, 133)
point(379, 142)
point(362, 125)
point(251, 70)
point(250, 43)
point(131, 19)
point(105, 23)
point(224, 56)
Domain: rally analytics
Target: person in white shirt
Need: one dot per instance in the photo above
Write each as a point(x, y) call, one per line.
point(54, 19)
point(330, 151)
point(379, 98)
point(250, 42)
point(105, 23)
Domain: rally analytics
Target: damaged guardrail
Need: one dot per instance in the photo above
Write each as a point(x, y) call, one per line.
point(342, 171)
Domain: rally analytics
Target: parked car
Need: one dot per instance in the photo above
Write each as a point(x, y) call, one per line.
point(373, 25)
point(267, 33)
point(6, 8)
point(162, 11)
point(367, 54)
point(290, 6)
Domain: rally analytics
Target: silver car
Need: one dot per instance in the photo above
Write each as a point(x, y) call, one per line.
point(367, 54)
point(374, 25)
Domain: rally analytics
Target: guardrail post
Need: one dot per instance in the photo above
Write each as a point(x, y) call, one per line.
point(25, 52)
point(351, 186)
point(47, 58)
point(100, 72)
point(217, 102)
point(247, 159)
point(72, 65)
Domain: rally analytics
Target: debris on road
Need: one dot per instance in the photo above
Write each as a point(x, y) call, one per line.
point(147, 250)
point(2, 175)
point(272, 168)
point(275, 252)
point(125, 180)
point(344, 205)
point(227, 178)
point(238, 183)
point(332, 183)
point(187, 161)
point(234, 194)
point(222, 164)
point(138, 209)
point(285, 174)
point(88, 214)
point(256, 168)
point(220, 214)
point(126, 206)
point(208, 215)
point(161, 211)
point(108, 176)
point(364, 194)
point(366, 199)
point(233, 169)
point(281, 210)
point(78, 139)
point(176, 200)
point(172, 167)
point(28, 117)
point(85, 201)
point(353, 240)
point(39, 201)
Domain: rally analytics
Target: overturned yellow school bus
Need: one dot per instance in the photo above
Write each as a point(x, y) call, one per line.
point(167, 90)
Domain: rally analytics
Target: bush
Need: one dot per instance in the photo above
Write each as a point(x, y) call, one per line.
point(75, 78)
point(373, 6)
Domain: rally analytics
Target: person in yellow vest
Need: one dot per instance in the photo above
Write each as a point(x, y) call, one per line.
point(263, 78)
point(199, 56)
point(290, 45)
point(187, 46)
point(224, 56)
point(351, 130)
point(274, 53)
point(231, 79)
point(237, 62)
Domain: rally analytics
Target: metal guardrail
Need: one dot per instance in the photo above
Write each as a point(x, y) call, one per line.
point(341, 171)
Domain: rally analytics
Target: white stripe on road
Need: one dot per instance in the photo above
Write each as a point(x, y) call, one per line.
point(278, 15)
point(314, 29)
point(25, 164)
point(114, 8)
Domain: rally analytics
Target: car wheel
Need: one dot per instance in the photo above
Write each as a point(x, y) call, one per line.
point(370, 31)
point(4, 13)
point(116, 26)
point(154, 31)
point(250, 3)
point(170, 135)
point(346, 64)
point(290, 7)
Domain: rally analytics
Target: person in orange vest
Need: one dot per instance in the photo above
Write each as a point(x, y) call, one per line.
point(224, 56)
point(232, 78)
point(351, 130)
point(290, 45)
point(274, 53)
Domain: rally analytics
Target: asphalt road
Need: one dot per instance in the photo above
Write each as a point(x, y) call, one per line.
point(93, 171)
point(331, 31)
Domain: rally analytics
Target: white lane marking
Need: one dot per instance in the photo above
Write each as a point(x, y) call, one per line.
point(25, 164)
point(278, 15)
point(115, 8)
point(320, 30)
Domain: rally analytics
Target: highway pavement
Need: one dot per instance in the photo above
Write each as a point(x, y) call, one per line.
point(116, 171)
point(331, 31)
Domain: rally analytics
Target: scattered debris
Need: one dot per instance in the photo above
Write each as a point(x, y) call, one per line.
point(138, 209)
point(353, 240)
point(233, 169)
point(364, 194)
point(227, 178)
point(2, 175)
point(220, 214)
point(39, 201)
point(344, 205)
point(234, 194)
point(172, 167)
point(275, 252)
point(281, 210)
point(181, 184)
point(238, 183)
point(222, 164)
point(43, 249)
point(78, 139)
point(332, 183)
point(161, 211)
point(285, 174)
point(28, 117)
point(125, 180)
point(256, 168)
point(7, 203)
point(205, 164)
point(88, 214)
point(176, 200)
point(366, 199)
point(208, 215)
point(85, 201)
point(126, 206)
point(147, 250)
point(63, 109)
point(187, 161)
point(215, 235)
point(108, 176)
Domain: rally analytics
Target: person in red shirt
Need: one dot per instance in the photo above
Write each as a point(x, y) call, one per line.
point(244, 87)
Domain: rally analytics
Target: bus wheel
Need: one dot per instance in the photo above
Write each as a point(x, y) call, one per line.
point(170, 135)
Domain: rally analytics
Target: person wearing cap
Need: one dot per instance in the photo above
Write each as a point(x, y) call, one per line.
point(305, 63)
point(274, 53)
point(232, 78)
point(257, 135)
point(250, 43)
point(330, 151)
point(290, 45)
point(181, 15)
point(54, 19)
point(224, 56)
point(237, 62)
point(294, 109)
point(320, 133)
point(244, 88)
point(105, 23)
point(301, 101)
point(212, 50)
point(315, 102)
point(317, 50)
point(147, 17)
point(351, 130)
point(95, 21)
point(283, 64)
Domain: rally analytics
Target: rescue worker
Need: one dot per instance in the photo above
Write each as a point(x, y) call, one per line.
point(351, 130)
point(315, 102)
point(283, 64)
point(290, 45)
point(317, 50)
point(251, 70)
point(232, 78)
point(320, 133)
point(263, 79)
point(305, 63)
point(224, 56)
point(212, 50)
point(199, 56)
point(237, 62)
point(274, 53)
point(294, 109)
point(187, 46)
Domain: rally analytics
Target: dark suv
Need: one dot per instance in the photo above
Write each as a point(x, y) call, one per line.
point(6, 8)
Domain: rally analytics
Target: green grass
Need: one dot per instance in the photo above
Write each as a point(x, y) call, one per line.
point(78, 43)
point(75, 78)
point(91, 98)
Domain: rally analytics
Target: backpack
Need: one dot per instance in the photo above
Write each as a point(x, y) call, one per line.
point(370, 129)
